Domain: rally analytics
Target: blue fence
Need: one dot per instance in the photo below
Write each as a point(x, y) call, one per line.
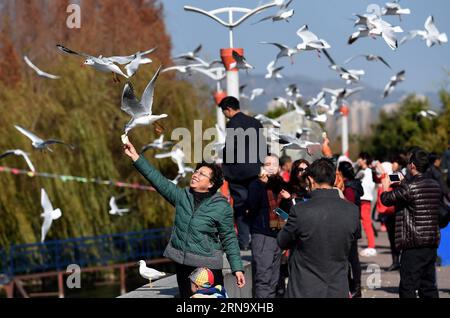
point(84, 251)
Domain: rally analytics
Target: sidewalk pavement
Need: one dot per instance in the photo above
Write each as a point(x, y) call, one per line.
point(390, 280)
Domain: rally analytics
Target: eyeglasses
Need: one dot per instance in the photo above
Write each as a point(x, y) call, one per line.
point(202, 174)
point(301, 170)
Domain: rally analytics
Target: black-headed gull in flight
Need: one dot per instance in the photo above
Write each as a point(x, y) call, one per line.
point(149, 273)
point(122, 60)
point(350, 76)
point(114, 209)
point(428, 114)
point(38, 71)
point(190, 56)
point(40, 143)
point(49, 215)
point(178, 156)
point(293, 91)
point(256, 92)
point(18, 152)
point(273, 71)
point(394, 8)
point(399, 77)
point(291, 142)
point(158, 144)
point(140, 110)
point(310, 40)
point(284, 51)
point(339, 96)
point(284, 14)
point(430, 35)
point(264, 120)
point(240, 62)
point(101, 64)
point(370, 58)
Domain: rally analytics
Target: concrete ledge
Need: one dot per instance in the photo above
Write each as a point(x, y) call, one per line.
point(168, 287)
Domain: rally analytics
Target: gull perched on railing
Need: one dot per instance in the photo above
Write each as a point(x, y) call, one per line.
point(38, 71)
point(49, 214)
point(140, 111)
point(370, 58)
point(114, 209)
point(399, 77)
point(157, 144)
point(431, 34)
point(311, 41)
point(18, 152)
point(178, 156)
point(149, 273)
point(273, 71)
point(285, 51)
point(99, 63)
point(282, 15)
point(40, 143)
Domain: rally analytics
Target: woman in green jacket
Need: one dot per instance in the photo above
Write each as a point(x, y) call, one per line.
point(203, 228)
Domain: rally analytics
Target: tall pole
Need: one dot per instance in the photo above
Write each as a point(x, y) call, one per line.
point(345, 143)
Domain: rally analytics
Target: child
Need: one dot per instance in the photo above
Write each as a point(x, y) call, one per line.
point(202, 284)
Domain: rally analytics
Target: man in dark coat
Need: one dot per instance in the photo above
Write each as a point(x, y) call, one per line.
point(417, 201)
point(243, 155)
point(319, 233)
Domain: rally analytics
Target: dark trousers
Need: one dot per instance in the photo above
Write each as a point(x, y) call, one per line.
point(184, 283)
point(355, 267)
point(265, 265)
point(389, 221)
point(239, 193)
point(418, 273)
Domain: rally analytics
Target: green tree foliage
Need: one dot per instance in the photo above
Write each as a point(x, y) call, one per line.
point(404, 128)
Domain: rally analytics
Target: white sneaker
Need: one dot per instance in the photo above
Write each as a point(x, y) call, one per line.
point(368, 252)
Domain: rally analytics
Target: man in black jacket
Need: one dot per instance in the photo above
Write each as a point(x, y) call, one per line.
point(319, 233)
point(417, 233)
point(244, 153)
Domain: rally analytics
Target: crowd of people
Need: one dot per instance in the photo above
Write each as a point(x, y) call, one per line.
point(302, 220)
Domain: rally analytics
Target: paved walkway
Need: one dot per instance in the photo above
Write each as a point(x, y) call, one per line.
point(390, 280)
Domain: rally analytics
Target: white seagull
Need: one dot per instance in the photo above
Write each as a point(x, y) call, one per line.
point(149, 273)
point(100, 63)
point(38, 71)
point(285, 51)
point(49, 214)
point(370, 58)
point(114, 209)
point(340, 96)
point(310, 40)
point(240, 62)
point(18, 152)
point(283, 14)
point(293, 91)
point(140, 111)
point(157, 144)
point(428, 113)
point(430, 35)
point(350, 76)
point(256, 92)
point(40, 143)
point(178, 156)
point(394, 8)
point(122, 60)
point(399, 77)
point(134, 65)
point(292, 142)
point(190, 56)
point(273, 71)
point(264, 120)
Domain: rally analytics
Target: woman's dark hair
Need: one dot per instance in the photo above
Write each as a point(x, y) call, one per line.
point(365, 156)
point(296, 183)
point(346, 168)
point(323, 171)
point(400, 160)
point(216, 175)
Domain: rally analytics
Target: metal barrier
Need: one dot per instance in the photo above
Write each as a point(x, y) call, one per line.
point(84, 251)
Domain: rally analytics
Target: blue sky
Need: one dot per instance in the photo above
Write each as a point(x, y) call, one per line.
point(329, 19)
